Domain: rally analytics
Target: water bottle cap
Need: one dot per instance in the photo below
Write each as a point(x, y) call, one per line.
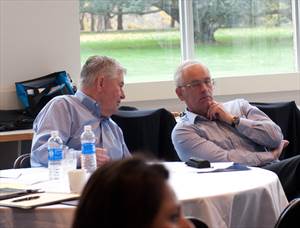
point(54, 133)
point(87, 127)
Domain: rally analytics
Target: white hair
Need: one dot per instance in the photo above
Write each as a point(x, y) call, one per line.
point(99, 65)
point(179, 71)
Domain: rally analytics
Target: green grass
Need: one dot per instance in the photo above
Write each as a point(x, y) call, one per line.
point(154, 55)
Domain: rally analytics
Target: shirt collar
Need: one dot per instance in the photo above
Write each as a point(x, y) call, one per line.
point(191, 117)
point(89, 103)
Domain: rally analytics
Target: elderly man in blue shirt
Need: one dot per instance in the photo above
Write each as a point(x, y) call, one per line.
point(101, 91)
point(233, 131)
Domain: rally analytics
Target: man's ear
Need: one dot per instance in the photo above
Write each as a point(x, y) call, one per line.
point(99, 82)
point(179, 93)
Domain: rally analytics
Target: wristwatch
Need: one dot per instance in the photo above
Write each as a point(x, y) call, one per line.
point(235, 121)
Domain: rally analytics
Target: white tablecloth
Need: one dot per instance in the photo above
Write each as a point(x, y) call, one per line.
point(242, 199)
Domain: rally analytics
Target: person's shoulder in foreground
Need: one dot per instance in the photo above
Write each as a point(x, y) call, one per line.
point(101, 91)
point(129, 193)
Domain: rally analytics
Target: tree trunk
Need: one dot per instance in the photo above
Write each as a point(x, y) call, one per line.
point(81, 21)
point(120, 19)
point(252, 14)
point(174, 11)
point(101, 23)
point(172, 25)
point(204, 32)
point(93, 23)
point(107, 22)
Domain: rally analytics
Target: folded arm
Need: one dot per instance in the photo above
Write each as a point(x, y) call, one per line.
point(188, 143)
point(253, 124)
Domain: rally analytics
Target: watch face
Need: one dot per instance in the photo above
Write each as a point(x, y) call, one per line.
point(235, 121)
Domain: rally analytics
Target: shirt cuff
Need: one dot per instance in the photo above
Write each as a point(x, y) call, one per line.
point(265, 157)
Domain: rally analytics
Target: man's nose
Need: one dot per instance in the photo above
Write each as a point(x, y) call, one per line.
point(122, 94)
point(203, 87)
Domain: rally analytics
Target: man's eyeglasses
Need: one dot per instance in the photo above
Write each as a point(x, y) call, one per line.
point(196, 83)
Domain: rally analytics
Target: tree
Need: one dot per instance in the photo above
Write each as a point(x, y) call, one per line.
point(123, 7)
point(209, 15)
point(214, 14)
point(109, 8)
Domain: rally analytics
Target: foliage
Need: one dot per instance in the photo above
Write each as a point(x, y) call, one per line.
point(214, 14)
point(111, 6)
point(209, 16)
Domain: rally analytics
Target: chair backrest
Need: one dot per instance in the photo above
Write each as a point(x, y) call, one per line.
point(290, 216)
point(197, 222)
point(23, 161)
point(287, 116)
point(148, 132)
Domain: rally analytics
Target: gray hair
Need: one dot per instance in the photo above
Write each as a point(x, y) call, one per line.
point(179, 71)
point(99, 65)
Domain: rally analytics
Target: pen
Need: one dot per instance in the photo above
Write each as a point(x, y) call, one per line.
point(26, 198)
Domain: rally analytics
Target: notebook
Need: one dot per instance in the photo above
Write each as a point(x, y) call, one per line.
point(8, 192)
point(38, 199)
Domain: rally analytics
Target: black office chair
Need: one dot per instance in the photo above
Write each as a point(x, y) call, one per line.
point(197, 222)
point(287, 116)
point(127, 108)
point(23, 161)
point(290, 216)
point(148, 132)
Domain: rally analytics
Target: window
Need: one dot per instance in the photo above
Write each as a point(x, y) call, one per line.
point(244, 37)
point(240, 39)
point(140, 34)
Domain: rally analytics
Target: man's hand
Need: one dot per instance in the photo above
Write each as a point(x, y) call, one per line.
point(101, 156)
point(277, 152)
point(216, 111)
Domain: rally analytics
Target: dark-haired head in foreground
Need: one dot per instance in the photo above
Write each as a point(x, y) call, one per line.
point(129, 193)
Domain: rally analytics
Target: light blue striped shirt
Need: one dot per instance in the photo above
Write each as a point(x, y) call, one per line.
point(68, 114)
point(217, 141)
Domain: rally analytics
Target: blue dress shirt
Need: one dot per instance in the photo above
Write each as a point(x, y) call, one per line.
point(248, 143)
point(69, 114)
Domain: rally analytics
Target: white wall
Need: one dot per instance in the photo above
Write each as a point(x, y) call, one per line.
point(36, 38)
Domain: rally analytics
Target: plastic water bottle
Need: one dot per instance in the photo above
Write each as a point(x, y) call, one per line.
point(55, 156)
point(88, 150)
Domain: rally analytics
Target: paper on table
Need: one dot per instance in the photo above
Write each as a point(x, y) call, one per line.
point(12, 185)
point(233, 167)
point(10, 174)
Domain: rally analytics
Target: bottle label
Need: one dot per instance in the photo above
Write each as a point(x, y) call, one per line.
point(88, 148)
point(55, 154)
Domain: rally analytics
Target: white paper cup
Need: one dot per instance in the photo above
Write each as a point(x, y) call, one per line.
point(70, 160)
point(77, 180)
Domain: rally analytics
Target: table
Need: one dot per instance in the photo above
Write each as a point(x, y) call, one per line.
point(240, 199)
point(16, 135)
point(253, 198)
